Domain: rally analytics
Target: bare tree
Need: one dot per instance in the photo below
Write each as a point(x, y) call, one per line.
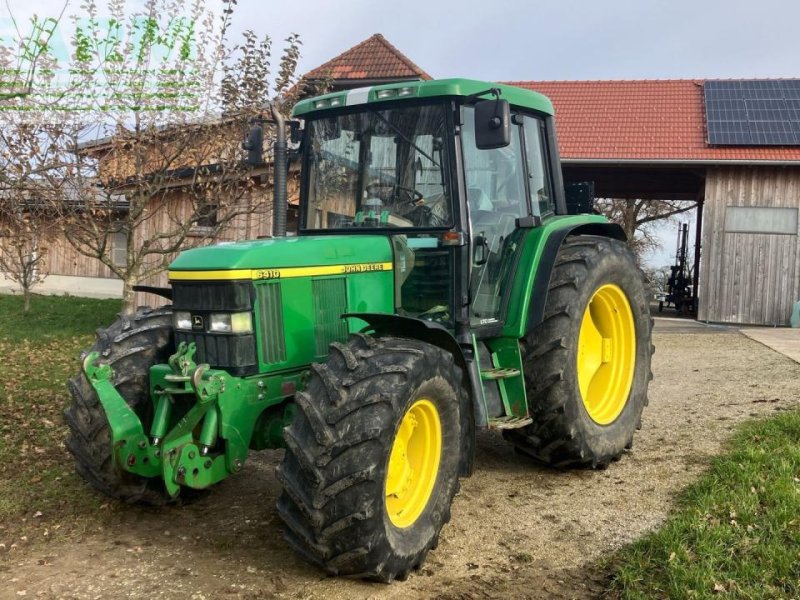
point(139, 198)
point(22, 260)
point(26, 199)
point(25, 226)
point(28, 56)
point(247, 78)
point(656, 279)
point(23, 149)
point(636, 217)
point(149, 159)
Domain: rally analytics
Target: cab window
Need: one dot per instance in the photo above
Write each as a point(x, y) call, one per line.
point(495, 178)
point(379, 168)
point(538, 174)
point(497, 198)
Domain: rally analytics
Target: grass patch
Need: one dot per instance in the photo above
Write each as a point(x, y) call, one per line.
point(735, 533)
point(53, 317)
point(39, 489)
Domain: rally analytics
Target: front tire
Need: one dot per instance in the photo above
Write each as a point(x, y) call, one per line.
point(372, 458)
point(587, 365)
point(131, 345)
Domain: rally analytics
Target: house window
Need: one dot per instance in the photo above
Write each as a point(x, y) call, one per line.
point(761, 219)
point(119, 248)
point(207, 216)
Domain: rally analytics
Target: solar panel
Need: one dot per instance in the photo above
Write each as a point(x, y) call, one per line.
point(747, 112)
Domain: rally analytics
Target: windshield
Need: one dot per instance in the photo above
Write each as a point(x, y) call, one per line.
point(378, 168)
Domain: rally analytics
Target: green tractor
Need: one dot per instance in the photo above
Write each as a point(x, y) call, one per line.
point(437, 285)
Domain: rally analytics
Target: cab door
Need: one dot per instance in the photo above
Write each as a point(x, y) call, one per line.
point(499, 185)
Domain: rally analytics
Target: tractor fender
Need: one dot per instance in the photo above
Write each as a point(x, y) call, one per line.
point(437, 335)
point(541, 282)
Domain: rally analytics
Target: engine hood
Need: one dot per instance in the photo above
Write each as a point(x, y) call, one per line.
point(235, 260)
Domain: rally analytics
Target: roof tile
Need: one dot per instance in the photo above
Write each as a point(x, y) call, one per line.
point(374, 58)
point(640, 120)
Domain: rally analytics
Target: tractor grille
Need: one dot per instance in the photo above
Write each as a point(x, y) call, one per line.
point(330, 302)
point(273, 337)
point(235, 353)
point(222, 295)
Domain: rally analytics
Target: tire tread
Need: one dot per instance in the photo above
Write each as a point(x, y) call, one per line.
point(553, 437)
point(336, 446)
point(130, 345)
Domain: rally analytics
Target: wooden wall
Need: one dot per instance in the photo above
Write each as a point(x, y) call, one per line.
point(63, 259)
point(748, 278)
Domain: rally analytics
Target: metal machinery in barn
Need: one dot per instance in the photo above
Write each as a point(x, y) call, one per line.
point(437, 285)
point(680, 289)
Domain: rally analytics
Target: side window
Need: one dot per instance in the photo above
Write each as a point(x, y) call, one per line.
point(332, 181)
point(541, 194)
point(496, 193)
point(495, 178)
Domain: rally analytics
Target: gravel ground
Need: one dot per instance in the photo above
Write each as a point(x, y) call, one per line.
point(519, 530)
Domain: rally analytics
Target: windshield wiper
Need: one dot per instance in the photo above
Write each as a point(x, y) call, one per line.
point(400, 133)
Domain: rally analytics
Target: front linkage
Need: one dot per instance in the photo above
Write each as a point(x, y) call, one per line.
point(210, 439)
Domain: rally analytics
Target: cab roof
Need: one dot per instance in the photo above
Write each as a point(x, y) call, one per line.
point(411, 90)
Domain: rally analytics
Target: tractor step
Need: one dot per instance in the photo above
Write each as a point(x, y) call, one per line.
point(509, 422)
point(494, 374)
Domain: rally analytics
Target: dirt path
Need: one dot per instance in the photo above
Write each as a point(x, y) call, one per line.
point(518, 530)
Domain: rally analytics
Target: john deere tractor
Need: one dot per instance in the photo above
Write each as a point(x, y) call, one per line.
point(437, 285)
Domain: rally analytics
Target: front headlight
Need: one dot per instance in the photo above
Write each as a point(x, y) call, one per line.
point(232, 322)
point(183, 320)
point(242, 322)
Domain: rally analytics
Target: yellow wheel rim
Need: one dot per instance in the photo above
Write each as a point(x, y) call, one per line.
point(606, 354)
point(413, 463)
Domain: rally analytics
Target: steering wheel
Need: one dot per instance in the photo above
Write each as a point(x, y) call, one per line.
point(437, 314)
point(415, 195)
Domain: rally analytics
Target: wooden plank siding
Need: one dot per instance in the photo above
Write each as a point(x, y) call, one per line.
point(748, 278)
point(63, 259)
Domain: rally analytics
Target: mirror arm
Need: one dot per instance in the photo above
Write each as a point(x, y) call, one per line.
point(472, 98)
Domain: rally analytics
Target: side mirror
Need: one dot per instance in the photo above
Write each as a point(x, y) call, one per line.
point(254, 146)
point(492, 124)
point(295, 132)
point(480, 254)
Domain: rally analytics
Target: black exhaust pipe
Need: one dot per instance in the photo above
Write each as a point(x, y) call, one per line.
point(281, 171)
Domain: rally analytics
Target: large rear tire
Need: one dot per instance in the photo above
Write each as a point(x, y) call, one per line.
point(587, 365)
point(131, 345)
point(372, 458)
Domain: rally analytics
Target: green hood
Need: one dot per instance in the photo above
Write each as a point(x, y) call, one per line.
point(307, 251)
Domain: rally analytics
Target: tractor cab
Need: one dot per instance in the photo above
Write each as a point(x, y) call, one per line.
point(453, 179)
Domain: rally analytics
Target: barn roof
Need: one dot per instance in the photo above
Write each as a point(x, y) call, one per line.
point(373, 59)
point(641, 121)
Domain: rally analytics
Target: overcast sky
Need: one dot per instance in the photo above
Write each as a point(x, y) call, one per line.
point(553, 39)
point(544, 39)
point(530, 39)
